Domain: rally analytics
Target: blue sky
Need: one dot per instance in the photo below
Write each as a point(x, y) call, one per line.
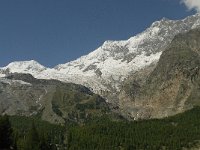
point(57, 31)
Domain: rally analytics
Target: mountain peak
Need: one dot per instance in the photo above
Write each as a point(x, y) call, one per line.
point(31, 67)
point(165, 19)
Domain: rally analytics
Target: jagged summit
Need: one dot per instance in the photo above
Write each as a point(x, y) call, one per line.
point(105, 68)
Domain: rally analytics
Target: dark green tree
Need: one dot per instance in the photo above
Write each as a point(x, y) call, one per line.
point(5, 133)
point(32, 141)
point(43, 143)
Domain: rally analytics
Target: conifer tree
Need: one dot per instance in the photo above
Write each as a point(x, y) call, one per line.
point(5, 133)
point(32, 139)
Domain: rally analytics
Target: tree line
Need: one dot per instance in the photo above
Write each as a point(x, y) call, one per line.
point(173, 133)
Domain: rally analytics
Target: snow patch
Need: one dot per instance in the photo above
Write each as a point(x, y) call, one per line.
point(10, 82)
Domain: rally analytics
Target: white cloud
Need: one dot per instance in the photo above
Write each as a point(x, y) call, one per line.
point(192, 4)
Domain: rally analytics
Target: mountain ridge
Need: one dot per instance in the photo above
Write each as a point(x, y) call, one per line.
point(105, 68)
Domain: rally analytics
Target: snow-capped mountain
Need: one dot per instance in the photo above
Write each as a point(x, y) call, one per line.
point(31, 67)
point(104, 68)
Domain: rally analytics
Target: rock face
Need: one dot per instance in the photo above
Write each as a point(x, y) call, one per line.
point(53, 101)
point(172, 87)
point(104, 69)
